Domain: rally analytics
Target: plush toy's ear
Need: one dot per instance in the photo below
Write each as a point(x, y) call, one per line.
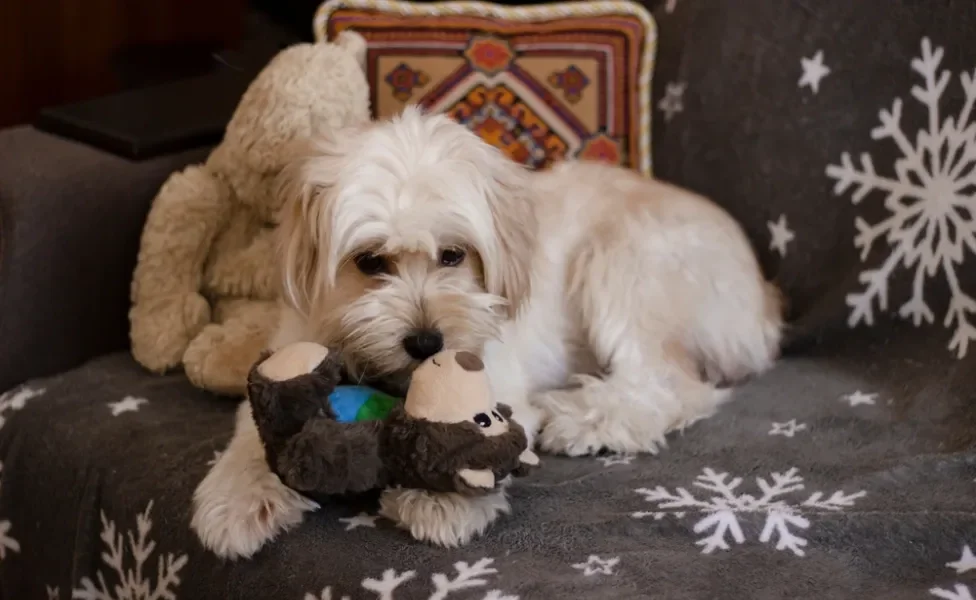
point(300, 358)
point(504, 410)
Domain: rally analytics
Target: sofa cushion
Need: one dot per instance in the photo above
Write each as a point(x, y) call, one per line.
point(839, 474)
point(546, 82)
point(842, 135)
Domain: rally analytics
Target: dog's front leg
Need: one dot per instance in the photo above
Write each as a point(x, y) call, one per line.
point(241, 505)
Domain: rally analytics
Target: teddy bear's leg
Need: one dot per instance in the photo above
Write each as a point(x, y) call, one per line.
point(219, 358)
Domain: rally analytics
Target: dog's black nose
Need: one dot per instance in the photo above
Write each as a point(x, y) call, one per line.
point(424, 343)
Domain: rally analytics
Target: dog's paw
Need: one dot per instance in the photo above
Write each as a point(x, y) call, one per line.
point(240, 506)
point(576, 428)
point(443, 519)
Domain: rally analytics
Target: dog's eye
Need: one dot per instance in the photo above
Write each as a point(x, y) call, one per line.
point(371, 264)
point(482, 420)
point(452, 257)
point(497, 416)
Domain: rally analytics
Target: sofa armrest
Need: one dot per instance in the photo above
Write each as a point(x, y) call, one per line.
point(70, 221)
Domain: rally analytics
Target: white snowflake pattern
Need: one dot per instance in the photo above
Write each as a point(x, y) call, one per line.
point(127, 404)
point(465, 577)
point(672, 102)
point(7, 543)
point(814, 70)
point(858, 397)
point(931, 200)
point(616, 459)
point(787, 429)
point(721, 511)
point(11, 400)
point(959, 591)
point(133, 583)
point(595, 565)
point(360, 520)
point(325, 595)
point(780, 235)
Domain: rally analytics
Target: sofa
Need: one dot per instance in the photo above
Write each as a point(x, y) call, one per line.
point(840, 134)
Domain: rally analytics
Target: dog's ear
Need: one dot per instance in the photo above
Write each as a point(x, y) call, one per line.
point(508, 272)
point(307, 186)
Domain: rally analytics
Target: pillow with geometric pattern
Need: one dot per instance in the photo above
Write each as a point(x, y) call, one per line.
point(542, 82)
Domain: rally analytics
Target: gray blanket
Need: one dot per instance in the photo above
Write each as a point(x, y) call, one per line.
point(831, 477)
point(843, 136)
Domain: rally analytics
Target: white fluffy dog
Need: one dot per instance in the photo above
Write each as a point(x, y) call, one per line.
point(607, 306)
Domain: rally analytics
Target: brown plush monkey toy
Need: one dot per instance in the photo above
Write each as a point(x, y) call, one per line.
point(446, 436)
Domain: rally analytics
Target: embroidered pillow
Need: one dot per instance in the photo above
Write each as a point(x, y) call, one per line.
point(542, 82)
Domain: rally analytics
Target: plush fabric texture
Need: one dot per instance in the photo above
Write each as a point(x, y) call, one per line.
point(830, 477)
point(848, 471)
point(842, 136)
point(543, 83)
point(204, 288)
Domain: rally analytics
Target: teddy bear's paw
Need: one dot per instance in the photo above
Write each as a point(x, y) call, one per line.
point(443, 519)
point(163, 328)
point(219, 358)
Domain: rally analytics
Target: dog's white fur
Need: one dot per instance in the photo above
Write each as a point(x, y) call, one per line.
point(606, 305)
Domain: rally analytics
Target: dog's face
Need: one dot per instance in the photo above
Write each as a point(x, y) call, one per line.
point(405, 237)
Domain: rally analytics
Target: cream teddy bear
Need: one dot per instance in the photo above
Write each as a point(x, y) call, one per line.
point(204, 287)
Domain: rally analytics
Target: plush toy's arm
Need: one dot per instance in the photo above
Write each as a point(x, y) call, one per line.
point(482, 461)
point(167, 308)
point(329, 458)
point(528, 459)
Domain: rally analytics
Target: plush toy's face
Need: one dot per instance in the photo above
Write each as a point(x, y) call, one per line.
point(452, 387)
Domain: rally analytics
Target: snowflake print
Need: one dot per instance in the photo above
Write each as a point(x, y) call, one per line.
point(780, 235)
point(858, 398)
point(672, 102)
point(7, 543)
point(966, 562)
point(133, 582)
point(616, 459)
point(127, 404)
point(787, 429)
point(11, 400)
point(325, 595)
point(595, 565)
point(721, 512)
point(360, 520)
point(931, 199)
point(814, 70)
point(959, 591)
point(466, 577)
